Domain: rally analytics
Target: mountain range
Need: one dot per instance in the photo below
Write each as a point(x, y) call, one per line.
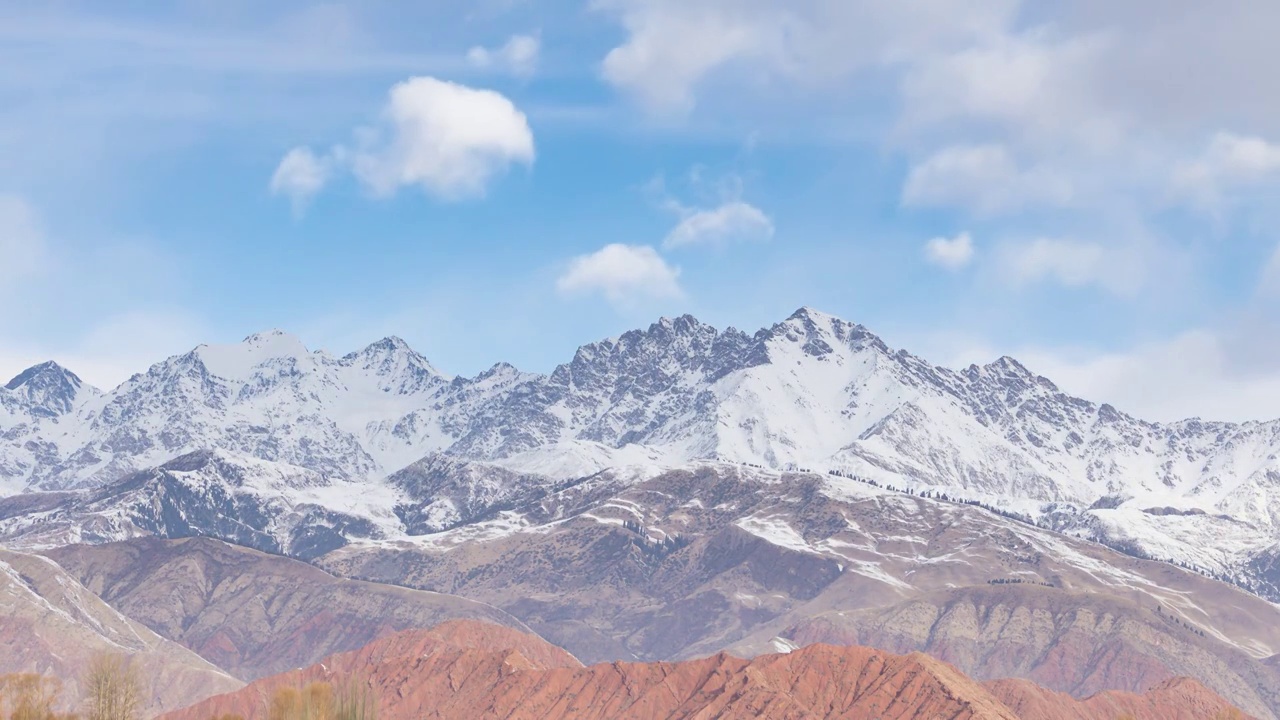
point(666, 495)
point(812, 392)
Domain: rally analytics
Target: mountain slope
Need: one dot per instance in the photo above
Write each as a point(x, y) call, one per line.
point(694, 561)
point(688, 562)
point(1081, 644)
point(250, 613)
point(270, 506)
point(52, 625)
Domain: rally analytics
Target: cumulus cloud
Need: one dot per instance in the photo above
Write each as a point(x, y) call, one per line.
point(1229, 162)
point(519, 56)
point(625, 275)
point(982, 178)
point(22, 240)
point(300, 175)
point(950, 253)
point(732, 221)
point(450, 140)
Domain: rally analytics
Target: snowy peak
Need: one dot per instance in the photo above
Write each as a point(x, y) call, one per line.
point(819, 333)
point(238, 361)
point(42, 375)
point(49, 389)
point(1010, 375)
point(396, 368)
point(389, 345)
point(807, 314)
point(400, 368)
point(670, 352)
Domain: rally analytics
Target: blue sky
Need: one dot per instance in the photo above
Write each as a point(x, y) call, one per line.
point(1086, 188)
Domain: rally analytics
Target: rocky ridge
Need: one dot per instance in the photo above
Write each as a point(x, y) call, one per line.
point(464, 670)
point(811, 392)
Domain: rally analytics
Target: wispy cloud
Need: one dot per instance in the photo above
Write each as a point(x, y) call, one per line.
point(732, 221)
point(518, 56)
point(984, 179)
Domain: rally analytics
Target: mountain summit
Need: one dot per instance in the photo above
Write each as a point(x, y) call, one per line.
point(48, 389)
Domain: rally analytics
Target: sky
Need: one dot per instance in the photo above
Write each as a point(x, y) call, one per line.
point(1086, 186)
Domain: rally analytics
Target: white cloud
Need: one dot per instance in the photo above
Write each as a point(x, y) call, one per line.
point(300, 175)
point(519, 56)
point(732, 221)
point(22, 240)
point(450, 139)
point(1230, 161)
point(983, 178)
point(624, 274)
point(672, 46)
point(950, 253)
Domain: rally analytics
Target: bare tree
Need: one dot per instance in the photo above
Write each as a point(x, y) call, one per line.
point(112, 689)
point(319, 701)
point(27, 696)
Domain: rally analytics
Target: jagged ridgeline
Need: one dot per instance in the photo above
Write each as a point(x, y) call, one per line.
point(321, 434)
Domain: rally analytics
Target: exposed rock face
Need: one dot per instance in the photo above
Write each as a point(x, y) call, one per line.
point(467, 671)
point(281, 509)
point(52, 625)
point(250, 613)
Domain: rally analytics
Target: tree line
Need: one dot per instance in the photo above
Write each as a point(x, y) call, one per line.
point(111, 688)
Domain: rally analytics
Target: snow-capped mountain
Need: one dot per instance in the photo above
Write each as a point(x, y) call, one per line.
point(812, 392)
point(33, 408)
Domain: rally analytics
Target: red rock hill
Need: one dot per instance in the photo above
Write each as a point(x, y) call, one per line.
point(466, 670)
